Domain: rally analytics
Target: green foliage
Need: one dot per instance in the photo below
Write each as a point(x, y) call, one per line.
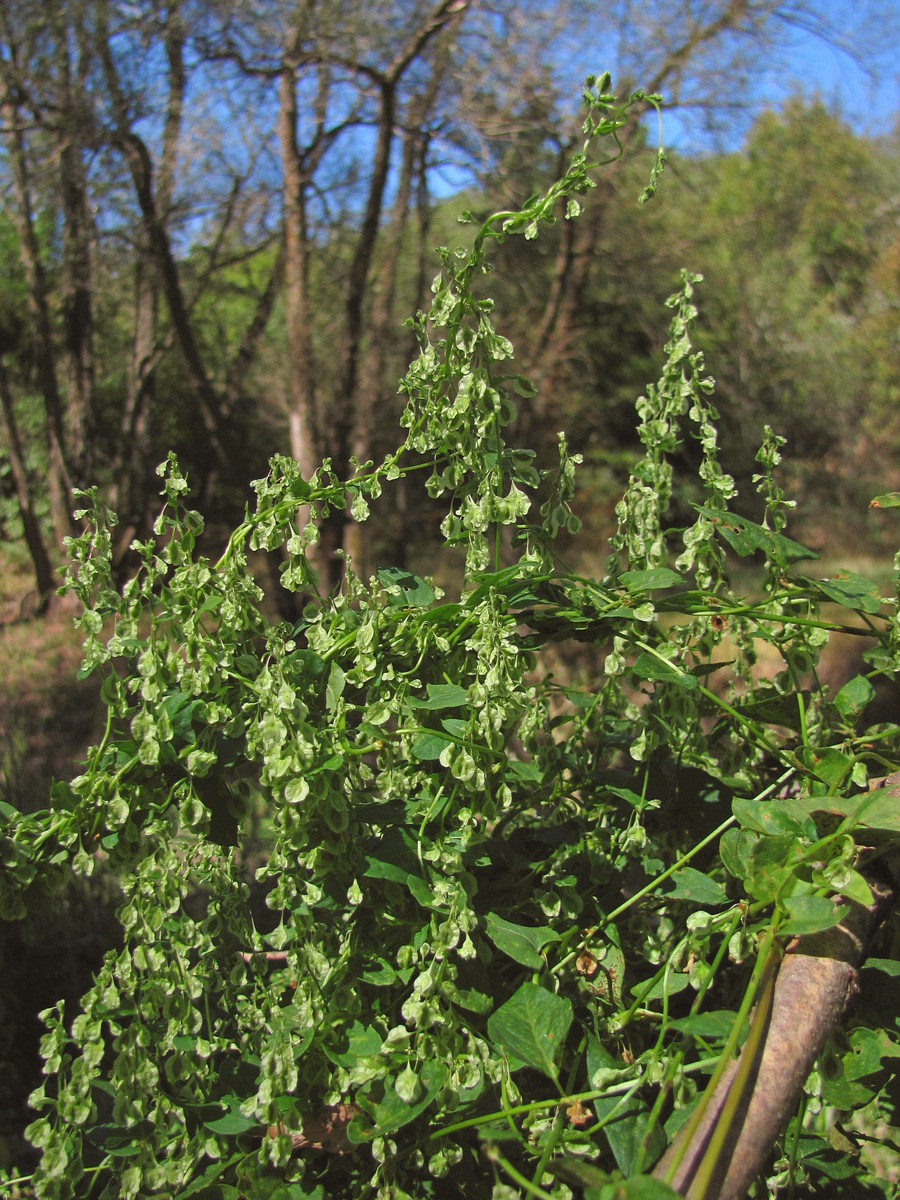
point(794, 228)
point(795, 236)
point(503, 925)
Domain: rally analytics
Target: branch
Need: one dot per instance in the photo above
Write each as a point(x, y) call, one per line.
point(444, 13)
point(733, 14)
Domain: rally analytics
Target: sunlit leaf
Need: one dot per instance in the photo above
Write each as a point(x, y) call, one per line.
point(521, 942)
point(645, 581)
point(854, 696)
point(852, 591)
point(649, 666)
point(808, 913)
point(414, 590)
point(692, 885)
point(745, 537)
point(442, 695)
point(532, 1027)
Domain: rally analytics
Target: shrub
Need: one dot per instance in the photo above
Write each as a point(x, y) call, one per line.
point(512, 922)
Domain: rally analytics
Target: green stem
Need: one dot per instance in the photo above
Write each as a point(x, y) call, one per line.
point(677, 1058)
point(701, 1184)
point(505, 1165)
point(648, 888)
point(516, 1110)
point(768, 957)
point(550, 1147)
point(795, 1145)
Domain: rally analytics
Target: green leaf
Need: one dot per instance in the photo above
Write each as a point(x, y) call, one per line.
point(429, 745)
point(415, 591)
point(296, 791)
point(442, 695)
point(302, 1189)
point(120, 1140)
point(715, 1025)
point(692, 885)
point(532, 1026)
point(855, 887)
point(182, 710)
point(206, 1177)
point(852, 591)
point(745, 537)
point(887, 966)
point(877, 812)
point(669, 984)
point(470, 999)
point(234, 1121)
point(649, 666)
point(773, 861)
point(638, 1187)
point(628, 1130)
point(111, 690)
point(775, 708)
point(363, 1041)
point(521, 942)
point(655, 577)
point(529, 771)
point(854, 696)
point(862, 1069)
point(306, 663)
point(392, 1112)
point(334, 688)
point(808, 913)
point(607, 973)
point(830, 765)
point(381, 975)
point(880, 809)
point(392, 856)
point(773, 817)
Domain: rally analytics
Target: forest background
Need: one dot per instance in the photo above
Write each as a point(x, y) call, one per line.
point(217, 216)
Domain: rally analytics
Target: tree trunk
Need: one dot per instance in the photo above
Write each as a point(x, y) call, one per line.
point(34, 539)
point(381, 321)
point(340, 438)
point(59, 476)
point(305, 438)
point(79, 283)
point(213, 456)
point(133, 475)
point(135, 471)
point(154, 199)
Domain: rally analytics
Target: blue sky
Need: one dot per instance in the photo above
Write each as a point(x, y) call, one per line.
point(870, 105)
point(802, 63)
